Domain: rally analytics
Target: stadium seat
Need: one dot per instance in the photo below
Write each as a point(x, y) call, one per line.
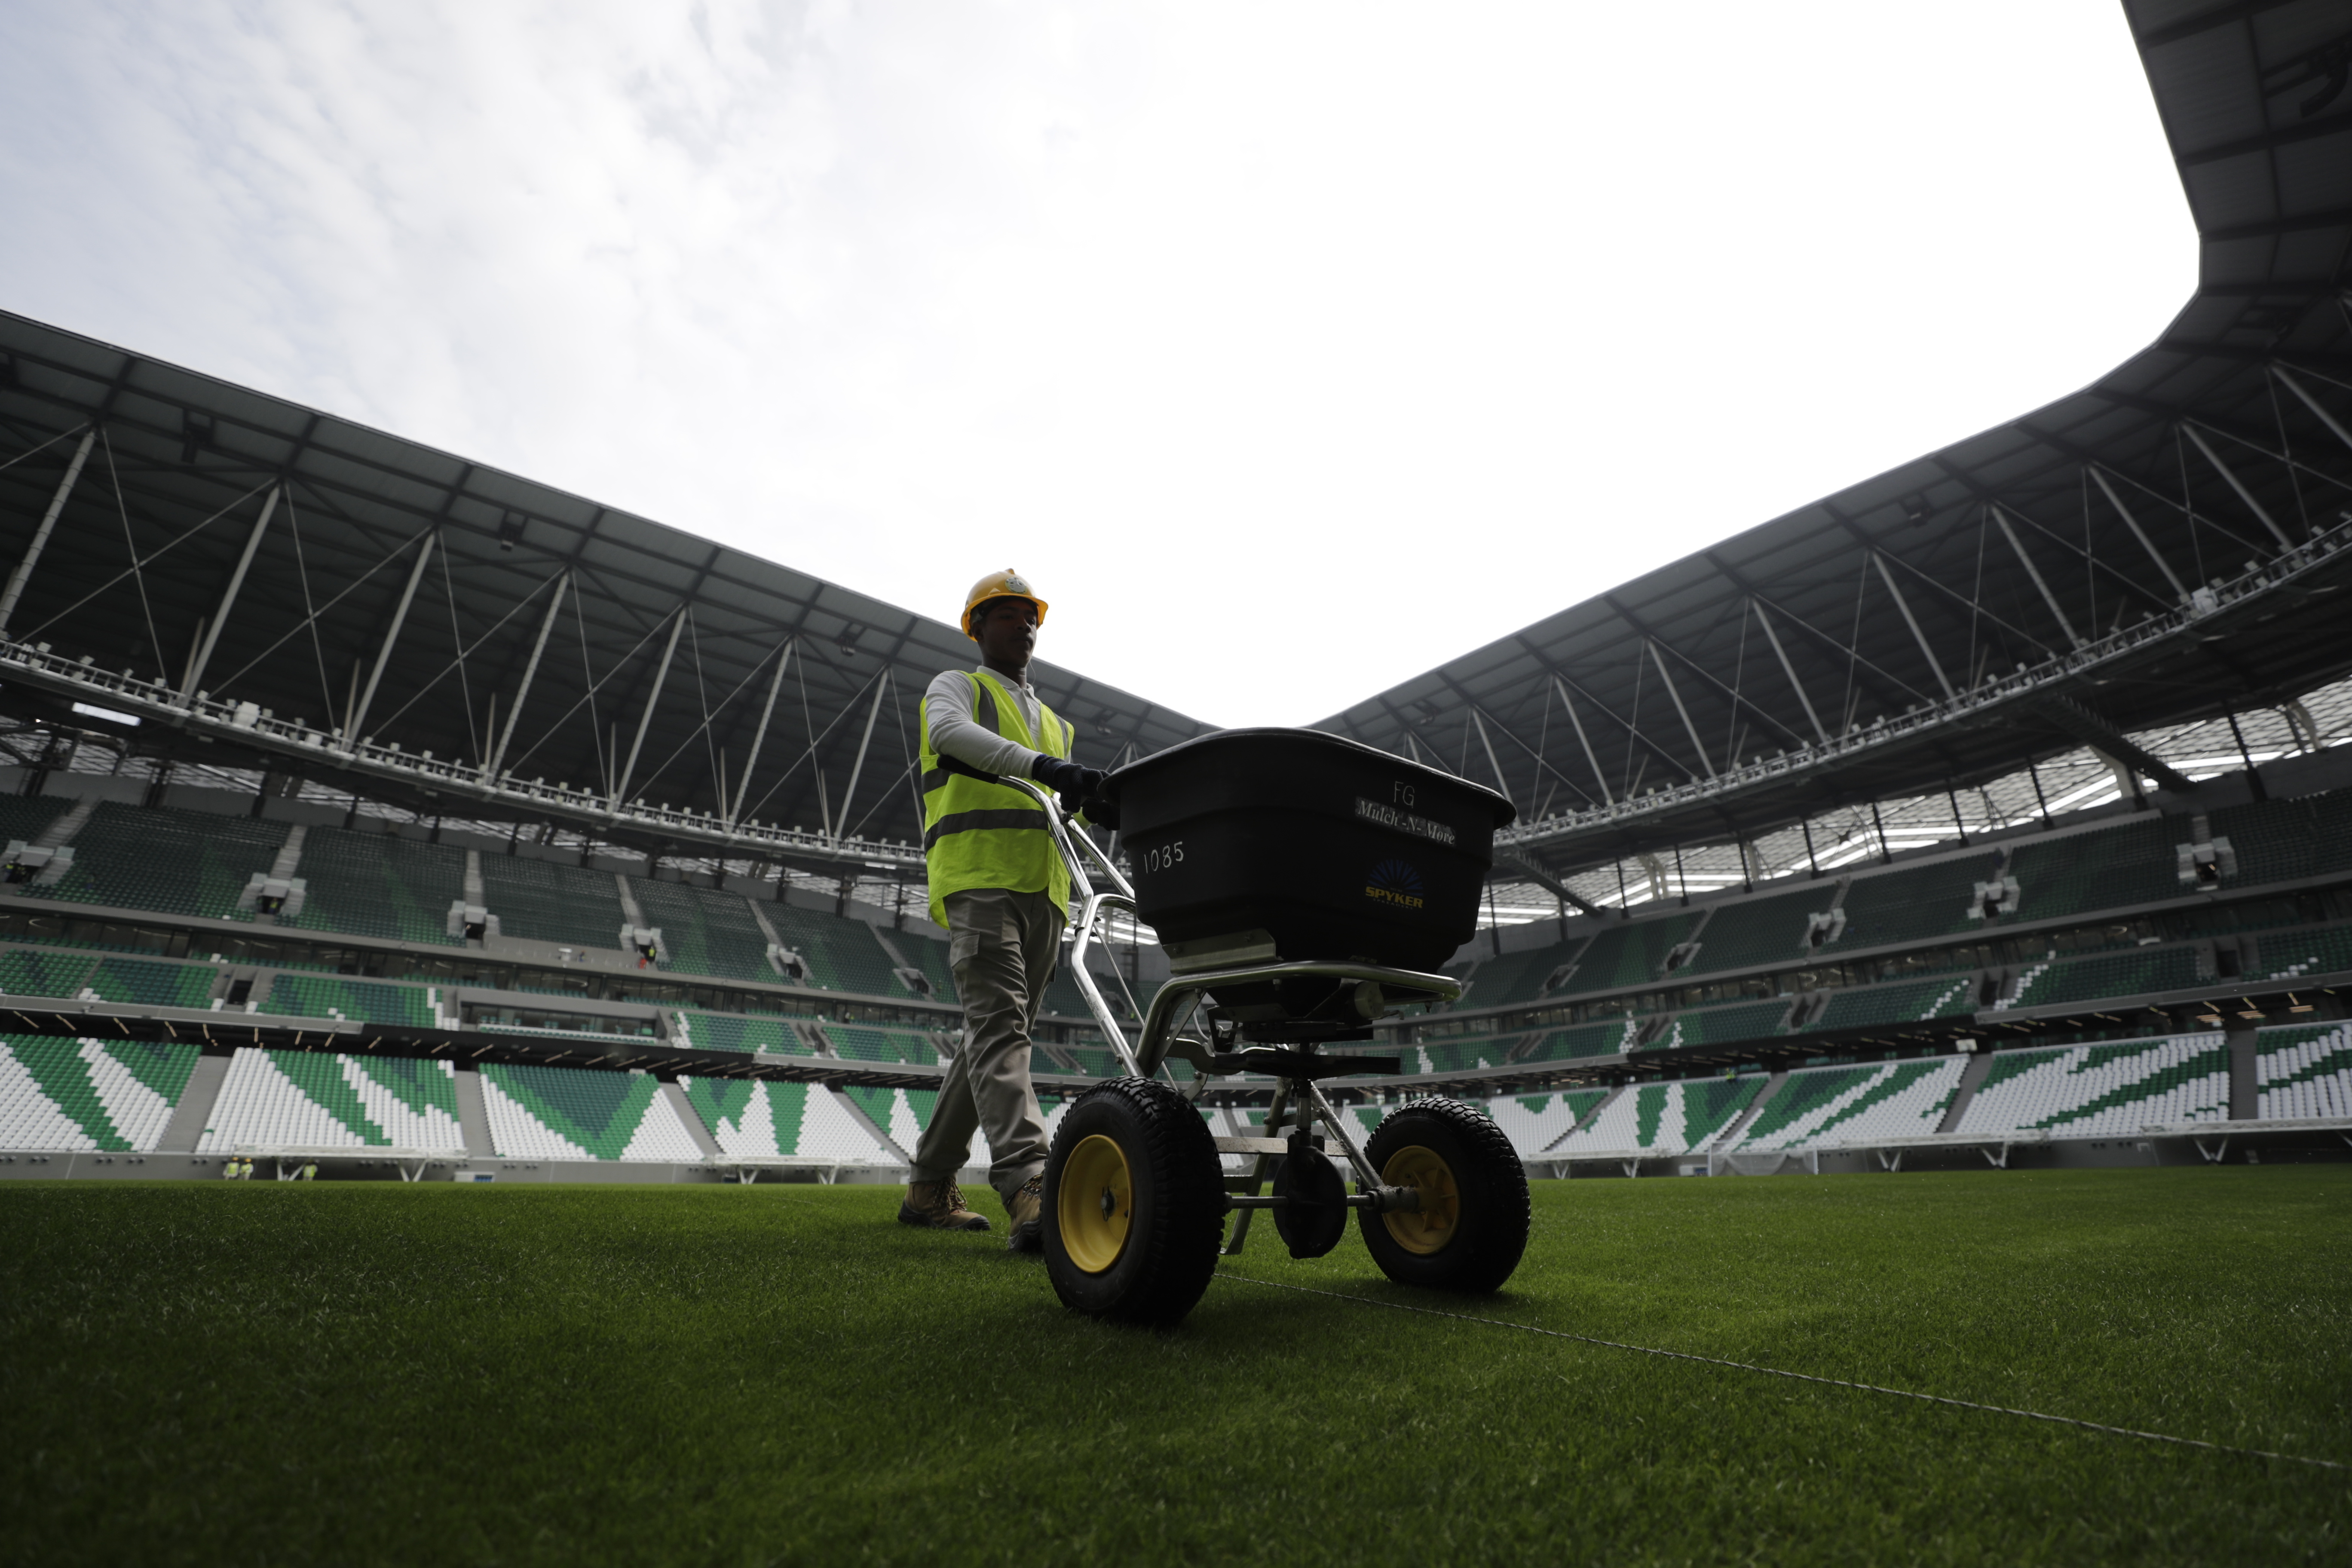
point(153, 984)
point(1726, 1026)
point(379, 885)
point(172, 862)
point(2327, 951)
point(707, 932)
point(1662, 1119)
point(2304, 1070)
point(1817, 1106)
point(2081, 1091)
point(324, 1099)
point(1759, 932)
point(543, 901)
point(770, 1119)
point(718, 1032)
point(2130, 973)
point(1624, 953)
point(335, 996)
point(109, 1096)
point(577, 1113)
point(1902, 1002)
point(2136, 862)
point(1914, 904)
point(1533, 1122)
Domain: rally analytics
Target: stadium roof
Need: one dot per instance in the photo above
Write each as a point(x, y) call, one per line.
point(2162, 545)
point(266, 585)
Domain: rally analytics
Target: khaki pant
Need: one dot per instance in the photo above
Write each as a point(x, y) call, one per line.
point(1003, 947)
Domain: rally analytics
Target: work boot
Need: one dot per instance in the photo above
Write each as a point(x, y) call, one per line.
point(1026, 1209)
point(938, 1205)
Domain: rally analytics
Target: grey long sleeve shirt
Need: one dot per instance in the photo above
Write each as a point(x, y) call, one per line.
point(950, 709)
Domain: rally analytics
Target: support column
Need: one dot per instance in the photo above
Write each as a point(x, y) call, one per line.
point(229, 598)
point(760, 735)
point(1582, 739)
point(1500, 783)
point(2099, 478)
point(645, 719)
point(2253, 774)
point(2196, 439)
point(2292, 386)
point(358, 715)
point(1886, 575)
point(1690, 728)
point(16, 579)
point(841, 824)
point(2018, 546)
point(1773, 635)
point(530, 671)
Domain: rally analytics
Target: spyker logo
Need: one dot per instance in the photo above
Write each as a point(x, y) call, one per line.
point(1395, 883)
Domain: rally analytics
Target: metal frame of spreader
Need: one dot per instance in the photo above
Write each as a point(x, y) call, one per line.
point(1173, 1004)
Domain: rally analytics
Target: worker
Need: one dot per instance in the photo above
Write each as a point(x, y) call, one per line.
point(1000, 888)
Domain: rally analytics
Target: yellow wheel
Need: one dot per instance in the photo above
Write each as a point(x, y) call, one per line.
point(1418, 1166)
point(1135, 1204)
point(1095, 1204)
point(1471, 1226)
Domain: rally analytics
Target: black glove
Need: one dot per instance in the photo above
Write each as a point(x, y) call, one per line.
point(1102, 811)
point(1064, 777)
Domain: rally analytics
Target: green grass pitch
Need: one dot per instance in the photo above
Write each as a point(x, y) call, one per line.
point(264, 1373)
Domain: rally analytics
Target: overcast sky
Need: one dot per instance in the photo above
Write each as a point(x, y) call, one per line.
point(1290, 348)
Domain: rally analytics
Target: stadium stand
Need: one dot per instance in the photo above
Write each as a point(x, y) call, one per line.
point(1662, 1118)
point(930, 955)
point(1758, 932)
point(1722, 1026)
point(1094, 1061)
point(107, 1096)
point(842, 955)
point(1831, 1105)
point(1533, 1122)
point(29, 816)
point(334, 996)
point(1608, 1037)
point(543, 901)
point(772, 1121)
point(2086, 1090)
point(2297, 953)
point(571, 1113)
point(1904, 1002)
point(1628, 954)
point(379, 885)
point(2287, 840)
point(716, 1032)
point(1516, 976)
point(152, 984)
point(1466, 1055)
point(318, 1100)
point(43, 972)
point(705, 930)
point(172, 862)
point(1915, 903)
point(2107, 868)
point(2304, 1070)
point(2109, 974)
point(866, 1043)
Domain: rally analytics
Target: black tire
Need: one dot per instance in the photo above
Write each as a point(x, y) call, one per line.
point(1434, 1143)
point(1142, 1253)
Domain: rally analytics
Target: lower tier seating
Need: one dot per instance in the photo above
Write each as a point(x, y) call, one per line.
point(2081, 1091)
point(320, 1099)
point(2304, 1070)
point(1817, 1106)
point(562, 1113)
point(772, 1121)
point(1663, 1118)
point(99, 1095)
point(2327, 951)
point(1534, 1122)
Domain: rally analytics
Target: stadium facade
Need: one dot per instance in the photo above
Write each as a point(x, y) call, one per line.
point(370, 805)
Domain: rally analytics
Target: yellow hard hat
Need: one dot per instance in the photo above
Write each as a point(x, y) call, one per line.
point(1005, 585)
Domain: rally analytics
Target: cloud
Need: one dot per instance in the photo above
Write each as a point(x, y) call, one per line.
point(1291, 348)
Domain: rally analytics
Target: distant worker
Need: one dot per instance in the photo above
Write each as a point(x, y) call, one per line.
point(1000, 888)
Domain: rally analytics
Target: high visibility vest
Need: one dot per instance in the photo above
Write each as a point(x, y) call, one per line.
point(979, 833)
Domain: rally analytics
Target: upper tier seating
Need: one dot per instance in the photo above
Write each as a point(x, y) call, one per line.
point(1608, 1037)
point(841, 953)
point(336, 996)
point(543, 901)
point(1533, 1122)
point(868, 1043)
point(2082, 1091)
point(706, 932)
point(2106, 869)
point(929, 954)
point(101, 1095)
point(717, 1032)
point(2327, 951)
point(172, 862)
point(1835, 1105)
point(1756, 933)
point(2304, 1070)
point(571, 1113)
point(1726, 1026)
point(1628, 953)
point(1094, 1061)
point(380, 885)
point(29, 816)
point(1904, 1002)
point(767, 1119)
point(2132, 974)
point(1915, 902)
point(2284, 840)
point(154, 984)
point(45, 972)
point(322, 1099)
point(1662, 1117)
point(1465, 1054)
point(1516, 976)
